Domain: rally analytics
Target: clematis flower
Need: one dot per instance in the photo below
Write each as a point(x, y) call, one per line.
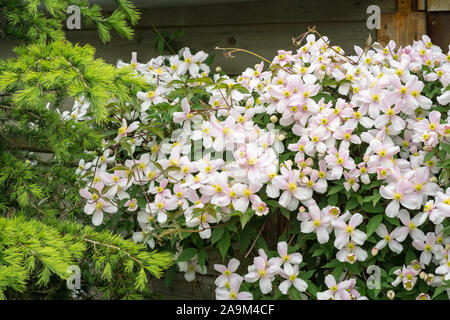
point(411, 226)
point(233, 293)
point(317, 223)
point(161, 205)
point(400, 193)
point(336, 291)
point(190, 268)
point(226, 271)
point(390, 239)
point(264, 271)
point(290, 273)
point(344, 232)
point(426, 247)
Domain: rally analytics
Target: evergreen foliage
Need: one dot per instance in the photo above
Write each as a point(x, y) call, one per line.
point(40, 20)
point(42, 229)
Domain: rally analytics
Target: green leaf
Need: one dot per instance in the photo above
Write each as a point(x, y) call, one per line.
point(428, 156)
point(332, 264)
point(410, 256)
point(368, 207)
point(445, 147)
point(224, 244)
point(335, 189)
point(187, 254)
point(351, 205)
point(203, 79)
point(294, 294)
point(202, 256)
point(338, 271)
point(333, 199)
point(439, 290)
point(217, 234)
point(373, 224)
point(245, 217)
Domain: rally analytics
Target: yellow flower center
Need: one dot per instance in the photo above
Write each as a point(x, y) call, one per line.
point(122, 130)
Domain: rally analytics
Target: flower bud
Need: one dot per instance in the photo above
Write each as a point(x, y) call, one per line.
point(433, 179)
point(423, 296)
point(309, 162)
point(301, 209)
point(180, 203)
point(422, 275)
point(390, 294)
point(307, 171)
point(289, 162)
point(281, 137)
point(429, 279)
point(218, 69)
point(273, 119)
point(374, 251)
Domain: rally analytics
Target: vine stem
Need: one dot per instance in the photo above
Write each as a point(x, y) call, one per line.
point(257, 237)
point(233, 50)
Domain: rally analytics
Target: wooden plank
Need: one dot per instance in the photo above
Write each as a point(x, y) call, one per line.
point(437, 25)
point(403, 27)
point(438, 5)
point(262, 39)
point(263, 11)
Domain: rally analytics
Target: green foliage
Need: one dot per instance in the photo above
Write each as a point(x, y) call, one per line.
point(43, 232)
point(37, 251)
point(36, 20)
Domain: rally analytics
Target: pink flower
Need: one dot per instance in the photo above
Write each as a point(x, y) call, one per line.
point(411, 226)
point(293, 258)
point(344, 232)
point(290, 273)
point(124, 130)
point(226, 271)
point(131, 205)
point(337, 161)
point(161, 205)
point(390, 239)
point(264, 271)
point(336, 291)
point(233, 293)
point(426, 247)
point(318, 223)
point(400, 192)
point(260, 208)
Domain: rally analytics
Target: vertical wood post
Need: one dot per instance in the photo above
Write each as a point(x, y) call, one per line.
point(404, 26)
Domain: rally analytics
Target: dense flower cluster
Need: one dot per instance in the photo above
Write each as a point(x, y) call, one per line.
point(315, 119)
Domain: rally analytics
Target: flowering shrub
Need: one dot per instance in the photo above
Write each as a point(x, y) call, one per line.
point(352, 151)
